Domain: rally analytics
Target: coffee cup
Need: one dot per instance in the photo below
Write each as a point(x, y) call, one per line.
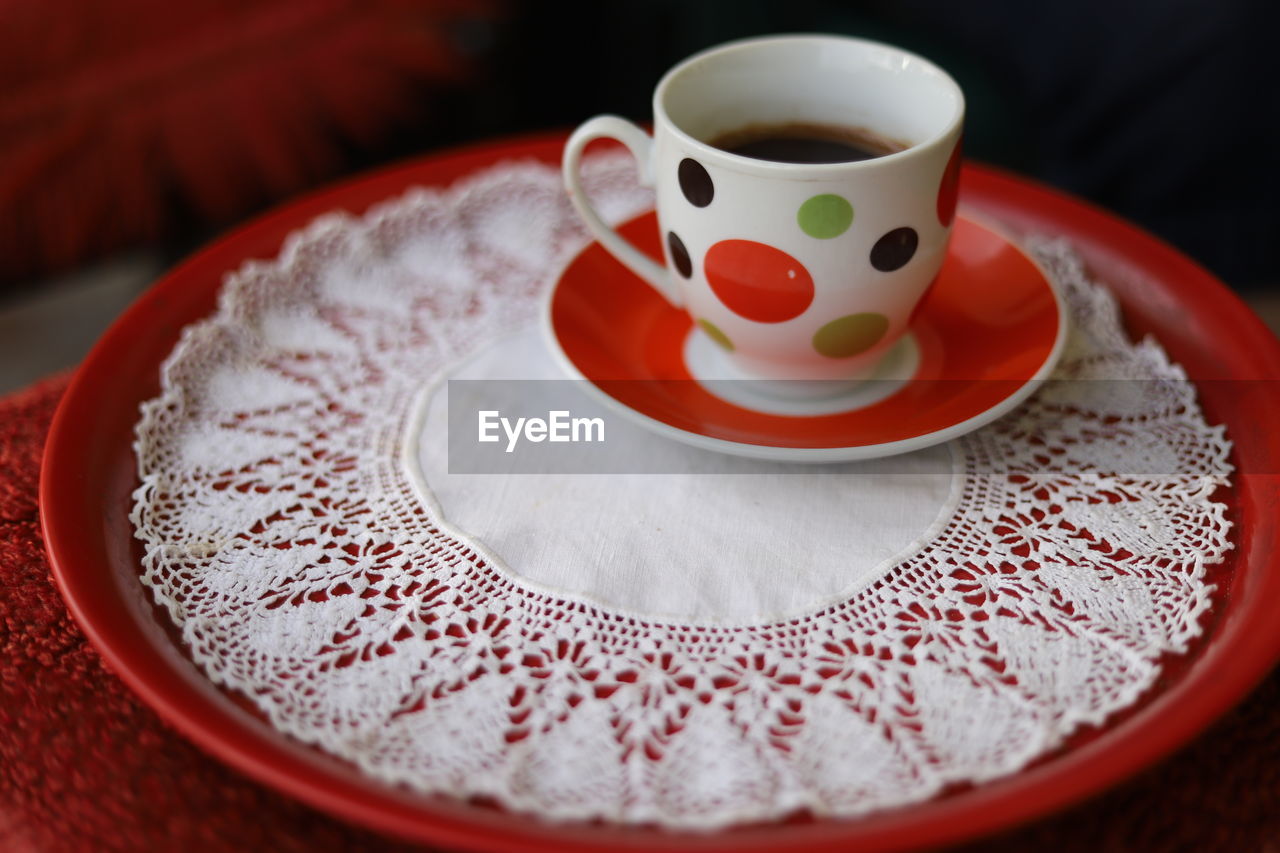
point(805, 190)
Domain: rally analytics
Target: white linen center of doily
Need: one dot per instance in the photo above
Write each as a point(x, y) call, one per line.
point(753, 541)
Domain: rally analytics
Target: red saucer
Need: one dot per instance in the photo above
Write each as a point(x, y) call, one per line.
point(990, 329)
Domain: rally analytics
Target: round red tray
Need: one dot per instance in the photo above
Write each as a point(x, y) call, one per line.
point(89, 473)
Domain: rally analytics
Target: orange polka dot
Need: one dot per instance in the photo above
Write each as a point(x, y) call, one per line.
point(757, 281)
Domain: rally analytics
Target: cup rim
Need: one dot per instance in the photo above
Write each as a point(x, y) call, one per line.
point(815, 171)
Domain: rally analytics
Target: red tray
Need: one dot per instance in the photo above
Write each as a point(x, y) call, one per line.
point(89, 473)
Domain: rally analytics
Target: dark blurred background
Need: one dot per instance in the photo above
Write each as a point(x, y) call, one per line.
point(133, 131)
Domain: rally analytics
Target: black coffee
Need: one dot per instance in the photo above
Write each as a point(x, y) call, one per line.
point(807, 143)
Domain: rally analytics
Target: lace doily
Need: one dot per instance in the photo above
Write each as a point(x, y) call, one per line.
point(285, 538)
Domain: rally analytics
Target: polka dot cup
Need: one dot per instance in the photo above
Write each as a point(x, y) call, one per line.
point(794, 270)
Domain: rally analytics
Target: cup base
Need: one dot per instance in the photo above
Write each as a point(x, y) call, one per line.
point(713, 369)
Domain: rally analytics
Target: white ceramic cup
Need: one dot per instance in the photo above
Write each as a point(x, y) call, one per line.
point(797, 271)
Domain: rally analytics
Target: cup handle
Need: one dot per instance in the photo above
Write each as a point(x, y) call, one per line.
point(640, 144)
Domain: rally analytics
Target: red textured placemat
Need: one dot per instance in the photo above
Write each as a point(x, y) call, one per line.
point(85, 766)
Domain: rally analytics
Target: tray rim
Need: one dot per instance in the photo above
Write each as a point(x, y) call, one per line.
point(1237, 652)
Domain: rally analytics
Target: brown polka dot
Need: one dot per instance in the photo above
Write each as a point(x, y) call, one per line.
point(695, 183)
point(679, 255)
point(894, 249)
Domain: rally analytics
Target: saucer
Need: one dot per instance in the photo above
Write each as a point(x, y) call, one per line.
point(713, 369)
point(989, 331)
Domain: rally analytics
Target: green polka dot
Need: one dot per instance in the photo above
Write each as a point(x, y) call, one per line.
point(825, 216)
point(850, 335)
point(715, 334)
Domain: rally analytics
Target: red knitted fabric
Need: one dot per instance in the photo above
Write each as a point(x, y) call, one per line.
point(84, 766)
point(122, 121)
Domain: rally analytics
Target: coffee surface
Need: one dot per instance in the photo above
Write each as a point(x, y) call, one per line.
point(807, 143)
